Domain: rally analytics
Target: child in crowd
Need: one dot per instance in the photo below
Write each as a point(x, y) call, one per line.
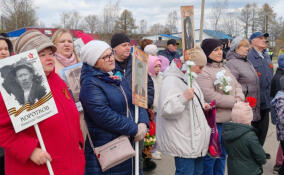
point(154, 67)
point(245, 154)
point(278, 105)
point(275, 87)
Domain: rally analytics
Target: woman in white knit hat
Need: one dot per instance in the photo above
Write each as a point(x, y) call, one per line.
point(105, 99)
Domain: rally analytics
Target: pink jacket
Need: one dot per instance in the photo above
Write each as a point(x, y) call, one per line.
point(224, 103)
point(61, 134)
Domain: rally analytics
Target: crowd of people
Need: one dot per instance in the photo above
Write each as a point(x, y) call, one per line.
point(180, 90)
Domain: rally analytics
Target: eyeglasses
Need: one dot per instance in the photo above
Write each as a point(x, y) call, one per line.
point(108, 57)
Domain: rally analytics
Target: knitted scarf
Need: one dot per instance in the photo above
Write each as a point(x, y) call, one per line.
point(66, 61)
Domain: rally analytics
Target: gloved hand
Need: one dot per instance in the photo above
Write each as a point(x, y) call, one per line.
point(142, 130)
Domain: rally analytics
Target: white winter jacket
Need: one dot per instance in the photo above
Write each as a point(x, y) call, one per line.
point(181, 132)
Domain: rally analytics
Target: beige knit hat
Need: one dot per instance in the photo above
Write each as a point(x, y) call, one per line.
point(198, 56)
point(242, 113)
point(33, 39)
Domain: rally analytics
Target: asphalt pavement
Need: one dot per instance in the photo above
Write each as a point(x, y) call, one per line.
point(166, 166)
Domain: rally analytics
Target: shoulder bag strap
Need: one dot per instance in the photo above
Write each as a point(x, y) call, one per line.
point(127, 114)
point(200, 103)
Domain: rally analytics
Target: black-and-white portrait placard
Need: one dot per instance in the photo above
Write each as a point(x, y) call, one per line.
point(25, 90)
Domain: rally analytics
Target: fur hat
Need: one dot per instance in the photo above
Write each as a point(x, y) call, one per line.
point(33, 39)
point(92, 51)
point(119, 38)
point(198, 56)
point(281, 61)
point(23, 63)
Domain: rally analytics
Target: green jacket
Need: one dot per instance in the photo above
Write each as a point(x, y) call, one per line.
point(245, 154)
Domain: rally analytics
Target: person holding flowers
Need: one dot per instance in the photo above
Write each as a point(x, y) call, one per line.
point(218, 83)
point(182, 130)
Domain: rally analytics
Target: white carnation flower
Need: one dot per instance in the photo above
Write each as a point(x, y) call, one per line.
point(228, 79)
point(220, 74)
point(216, 82)
point(190, 63)
point(228, 88)
point(194, 75)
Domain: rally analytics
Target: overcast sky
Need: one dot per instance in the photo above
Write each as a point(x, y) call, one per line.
point(153, 11)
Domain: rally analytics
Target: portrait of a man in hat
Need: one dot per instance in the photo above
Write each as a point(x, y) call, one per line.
point(22, 82)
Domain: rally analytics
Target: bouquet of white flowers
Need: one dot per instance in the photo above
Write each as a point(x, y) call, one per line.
point(222, 82)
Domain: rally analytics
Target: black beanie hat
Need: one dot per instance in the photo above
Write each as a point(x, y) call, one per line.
point(208, 45)
point(4, 36)
point(119, 38)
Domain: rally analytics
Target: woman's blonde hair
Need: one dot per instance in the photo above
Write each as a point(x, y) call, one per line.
point(243, 42)
point(57, 34)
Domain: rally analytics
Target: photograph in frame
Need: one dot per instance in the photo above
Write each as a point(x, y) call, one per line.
point(188, 40)
point(140, 78)
point(71, 75)
point(25, 90)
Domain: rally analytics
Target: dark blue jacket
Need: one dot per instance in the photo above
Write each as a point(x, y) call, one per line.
point(262, 66)
point(105, 114)
point(127, 73)
point(168, 54)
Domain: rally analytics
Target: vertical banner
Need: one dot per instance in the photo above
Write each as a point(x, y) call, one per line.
point(188, 40)
point(139, 78)
point(25, 90)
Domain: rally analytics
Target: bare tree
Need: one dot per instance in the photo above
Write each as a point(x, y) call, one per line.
point(217, 11)
point(110, 15)
point(246, 18)
point(278, 29)
point(143, 26)
point(18, 13)
point(254, 9)
point(156, 29)
point(74, 20)
point(70, 20)
point(172, 21)
point(231, 24)
point(64, 18)
point(125, 23)
point(266, 18)
point(91, 23)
